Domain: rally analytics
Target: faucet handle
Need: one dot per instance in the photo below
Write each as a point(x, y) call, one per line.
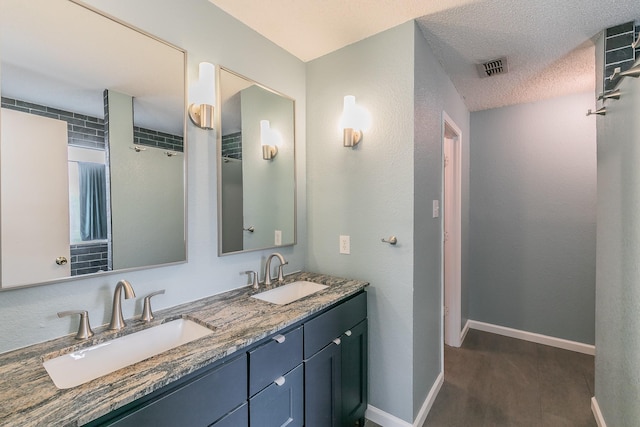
point(253, 276)
point(280, 273)
point(147, 314)
point(84, 328)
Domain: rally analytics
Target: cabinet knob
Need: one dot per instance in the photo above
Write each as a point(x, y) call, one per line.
point(337, 341)
point(279, 381)
point(61, 260)
point(348, 333)
point(279, 338)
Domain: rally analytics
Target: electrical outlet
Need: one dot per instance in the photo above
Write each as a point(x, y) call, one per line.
point(436, 208)
point(345, 245)
point(278, 238)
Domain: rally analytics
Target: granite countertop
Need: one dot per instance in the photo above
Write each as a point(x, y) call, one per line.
point(28, 396)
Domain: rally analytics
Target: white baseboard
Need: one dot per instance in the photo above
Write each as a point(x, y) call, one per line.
point(595, 408)
point(463, 334)
point(385, 419)
point(428, 402)
point(533, 337)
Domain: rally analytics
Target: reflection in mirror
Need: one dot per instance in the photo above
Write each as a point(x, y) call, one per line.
point(91, 145)
point(256, 192)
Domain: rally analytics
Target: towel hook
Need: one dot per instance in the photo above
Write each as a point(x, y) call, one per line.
point(600, 111)
point(392, 240)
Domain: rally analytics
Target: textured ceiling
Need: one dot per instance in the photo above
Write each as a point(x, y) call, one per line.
point(547, 42)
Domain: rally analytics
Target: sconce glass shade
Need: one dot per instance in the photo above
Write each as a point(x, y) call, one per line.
point(349, 122)
point(268, 140)
point(203, 98)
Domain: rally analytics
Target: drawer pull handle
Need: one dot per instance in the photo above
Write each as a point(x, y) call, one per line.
point(348, 333)
point(337, 341)
point(279, 339)
point(279, 381)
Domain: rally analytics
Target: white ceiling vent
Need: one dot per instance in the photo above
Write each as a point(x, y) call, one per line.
point(493, 67)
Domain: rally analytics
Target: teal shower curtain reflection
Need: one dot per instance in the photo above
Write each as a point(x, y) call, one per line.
point(93, 201)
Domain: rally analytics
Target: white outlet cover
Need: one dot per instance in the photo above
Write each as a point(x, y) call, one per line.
point(278, 238)
point(345, 245)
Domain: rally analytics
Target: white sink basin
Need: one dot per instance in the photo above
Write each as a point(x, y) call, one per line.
point(288, 293)
point(79, 367)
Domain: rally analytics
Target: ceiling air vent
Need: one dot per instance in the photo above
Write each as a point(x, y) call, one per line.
point(493, 67)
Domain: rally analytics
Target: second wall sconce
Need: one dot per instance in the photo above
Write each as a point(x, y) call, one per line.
point(352, 134)
point(203, 98)
point(268, 140)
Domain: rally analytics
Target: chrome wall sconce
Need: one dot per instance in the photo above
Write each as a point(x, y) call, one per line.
point(352, 134)
point(269, 140)
point(203, 98)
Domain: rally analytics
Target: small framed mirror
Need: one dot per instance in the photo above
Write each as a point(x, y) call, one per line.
point(256, 166)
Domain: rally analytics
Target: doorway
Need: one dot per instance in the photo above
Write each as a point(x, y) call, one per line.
point(451, 230)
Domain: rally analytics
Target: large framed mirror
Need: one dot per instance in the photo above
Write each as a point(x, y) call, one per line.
point(256, 166)
point(92, 145)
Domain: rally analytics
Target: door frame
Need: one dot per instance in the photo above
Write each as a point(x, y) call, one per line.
point(451, 284)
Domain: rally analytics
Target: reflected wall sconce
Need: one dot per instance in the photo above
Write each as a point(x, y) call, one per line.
point(269, 140)
point(203, 98)
point(352, 134)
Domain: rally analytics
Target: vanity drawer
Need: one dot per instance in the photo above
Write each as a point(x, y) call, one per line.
point(280, 403)
point(274, 359)
point(320, 331)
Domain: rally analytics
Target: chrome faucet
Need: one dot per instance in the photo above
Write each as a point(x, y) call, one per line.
point(117, 321)
point(267, 268)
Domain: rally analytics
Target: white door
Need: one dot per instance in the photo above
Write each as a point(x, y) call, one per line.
point(34, 199)
point(452, 246)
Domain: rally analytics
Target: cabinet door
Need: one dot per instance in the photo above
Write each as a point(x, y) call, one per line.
point(237, 418)
point(280, 404)
point(199, 402)
point(322, 392)
point(354, 374)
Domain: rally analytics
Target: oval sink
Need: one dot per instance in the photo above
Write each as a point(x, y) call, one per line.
point(289, 293)
point(81, 366)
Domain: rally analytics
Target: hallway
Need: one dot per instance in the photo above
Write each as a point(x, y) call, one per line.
point(494, 380)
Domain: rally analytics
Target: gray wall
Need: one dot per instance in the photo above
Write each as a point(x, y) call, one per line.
point(382, 187)
point(367, 193)
point(28, 315)
point(617, 376)
point(434, 93)
point(532, 226)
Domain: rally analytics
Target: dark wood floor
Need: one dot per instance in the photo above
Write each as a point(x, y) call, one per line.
point(499, 381)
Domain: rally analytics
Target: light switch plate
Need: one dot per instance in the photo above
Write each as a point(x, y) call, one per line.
point(436, 208)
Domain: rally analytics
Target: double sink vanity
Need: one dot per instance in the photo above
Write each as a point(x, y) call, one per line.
point(288, 352)
point(233, 359)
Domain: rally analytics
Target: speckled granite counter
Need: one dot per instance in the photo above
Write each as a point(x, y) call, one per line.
point(28, 396)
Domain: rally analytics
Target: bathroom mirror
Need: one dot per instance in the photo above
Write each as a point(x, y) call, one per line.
point(92, 151)
point(256, 166)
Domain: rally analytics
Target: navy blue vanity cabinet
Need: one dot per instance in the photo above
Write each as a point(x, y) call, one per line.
point(276, 381)
point(213, 395)
point(335, 352)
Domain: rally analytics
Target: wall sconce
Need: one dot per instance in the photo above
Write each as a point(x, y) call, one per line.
point(203, 98)
point(268, 140)
point(351, 132)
